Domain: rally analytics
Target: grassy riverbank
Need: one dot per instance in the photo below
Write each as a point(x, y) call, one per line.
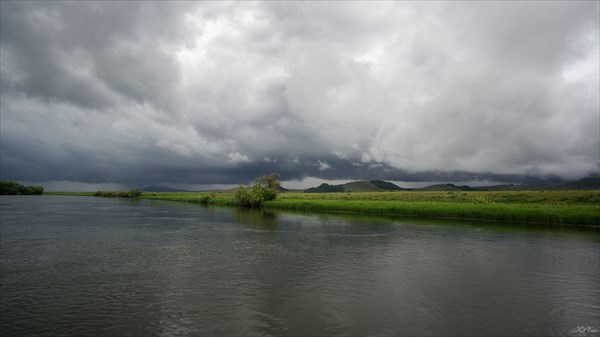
point(543, 207)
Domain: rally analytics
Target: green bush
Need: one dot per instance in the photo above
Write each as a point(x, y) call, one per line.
point(264, 188)
point(205, 199)
point(134, 193)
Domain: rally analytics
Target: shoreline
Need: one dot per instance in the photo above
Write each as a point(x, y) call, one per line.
point(579, 210)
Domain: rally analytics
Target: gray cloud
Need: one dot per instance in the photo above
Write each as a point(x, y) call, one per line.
point(205, 93)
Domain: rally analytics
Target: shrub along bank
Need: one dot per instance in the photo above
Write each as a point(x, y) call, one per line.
point(564, 207)
point(543, 207)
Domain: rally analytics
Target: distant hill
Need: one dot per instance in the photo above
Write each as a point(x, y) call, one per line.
point(386, 185)
point(325, 188)
point(589, 183)
point(161, 189)
point(356, 186)
point(360, 186)
point(446, 187)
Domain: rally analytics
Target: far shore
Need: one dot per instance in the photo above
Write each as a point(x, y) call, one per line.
point(572, 208)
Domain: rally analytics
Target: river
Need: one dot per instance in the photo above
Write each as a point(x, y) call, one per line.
point(88, 266)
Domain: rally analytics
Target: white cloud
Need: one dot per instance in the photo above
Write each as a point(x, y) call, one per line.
point(323, 166)
point(237, 158)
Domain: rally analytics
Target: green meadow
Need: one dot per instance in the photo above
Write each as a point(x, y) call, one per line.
point(536, 207)
point(544, 207)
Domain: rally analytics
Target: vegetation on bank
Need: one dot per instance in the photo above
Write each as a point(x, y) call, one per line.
point(134, 193)
point(543, 207)
point(579, 207)
point(553, 198)
point(131, 194)
point(13, 188)
point(506, 213)
point(264, 188)
point(547, 207)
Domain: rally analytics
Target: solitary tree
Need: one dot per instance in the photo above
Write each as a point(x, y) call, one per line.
point(264, 188)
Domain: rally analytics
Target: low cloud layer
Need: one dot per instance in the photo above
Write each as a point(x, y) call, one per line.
point(217, 93)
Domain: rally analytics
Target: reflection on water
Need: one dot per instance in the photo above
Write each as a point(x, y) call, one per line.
point(94, 266)
point(257, 218)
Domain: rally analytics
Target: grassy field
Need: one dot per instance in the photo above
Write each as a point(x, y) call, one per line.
point(543, 207)
point(501, 197)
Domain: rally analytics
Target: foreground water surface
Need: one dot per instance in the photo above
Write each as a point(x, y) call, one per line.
point(81, 266)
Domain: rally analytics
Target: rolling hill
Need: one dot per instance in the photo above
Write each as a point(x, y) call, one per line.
point(446, 187)
point(589, 183)
point(356, 186)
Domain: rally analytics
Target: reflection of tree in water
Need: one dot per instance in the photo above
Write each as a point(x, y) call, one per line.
point(256, 218)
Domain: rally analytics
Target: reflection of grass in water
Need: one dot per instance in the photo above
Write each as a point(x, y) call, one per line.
point(482, 211)
point(391, 220)
point(536, 207)
point(545, 207)
point(257, 218)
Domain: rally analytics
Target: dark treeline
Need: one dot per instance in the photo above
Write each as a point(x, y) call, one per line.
point(119, 194)
point(13, 188)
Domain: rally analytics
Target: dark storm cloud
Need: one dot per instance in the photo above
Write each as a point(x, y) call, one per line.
point(89, 54)
point(202, 93)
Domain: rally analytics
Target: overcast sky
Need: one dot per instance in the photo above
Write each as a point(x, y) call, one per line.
point(204, 93)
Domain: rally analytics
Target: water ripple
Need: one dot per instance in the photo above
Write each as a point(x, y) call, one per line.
point(102, 267)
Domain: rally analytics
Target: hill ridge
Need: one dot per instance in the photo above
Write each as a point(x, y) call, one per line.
point(588, 183)
point(356, 186)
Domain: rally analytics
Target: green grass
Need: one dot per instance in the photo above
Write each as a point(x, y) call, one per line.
point(213, 198)
point(508, 197)
point(509, 213)
point(543, 207)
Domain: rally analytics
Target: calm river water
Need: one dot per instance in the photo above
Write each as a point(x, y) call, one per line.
point(79, 266)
